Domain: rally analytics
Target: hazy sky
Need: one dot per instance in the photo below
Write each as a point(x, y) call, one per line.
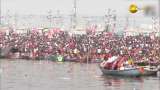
point(85, 7)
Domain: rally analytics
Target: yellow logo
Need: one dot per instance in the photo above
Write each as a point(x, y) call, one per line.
point(133, 8)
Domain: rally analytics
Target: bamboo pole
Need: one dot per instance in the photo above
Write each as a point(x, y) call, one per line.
point(159, 16)
point(0, 12)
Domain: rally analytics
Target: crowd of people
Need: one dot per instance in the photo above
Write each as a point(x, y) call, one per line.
point(85, 47)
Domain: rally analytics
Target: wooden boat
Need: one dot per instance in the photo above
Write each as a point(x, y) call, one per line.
point(96, 60)
point(134, 72)
point(71, 59)
point(146, 63)
point(130, 72)
point(58, 58)
point(149, 70)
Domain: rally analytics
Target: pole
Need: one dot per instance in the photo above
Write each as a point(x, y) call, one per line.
point(0, 53)
point(75, 14)
point(75, 8)
point(50, 18)
point(159, 17)
point(0, 12)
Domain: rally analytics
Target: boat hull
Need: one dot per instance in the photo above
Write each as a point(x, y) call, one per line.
point(130, 72)
point(148, 70)
point(149, 73)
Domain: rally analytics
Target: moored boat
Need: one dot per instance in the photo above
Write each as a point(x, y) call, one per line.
point(148, 71)
point(133, 72)
point(139, 71)
point(71, 59)
point(121, 66)
point(158, 67)
point(58, 58)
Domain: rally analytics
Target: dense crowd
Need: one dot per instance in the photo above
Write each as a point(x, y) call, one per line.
point(100, 46)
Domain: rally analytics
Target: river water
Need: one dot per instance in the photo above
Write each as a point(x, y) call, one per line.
point(48, 75)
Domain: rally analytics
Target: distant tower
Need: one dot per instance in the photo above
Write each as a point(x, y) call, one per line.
point(114, 21)
point(58, 19)
point(127, 23)
point(8, 17)
point(107, 20)
point(15, 20)
point(155, 24)
point(74, 23)
point(49, 17)
point(110, 21)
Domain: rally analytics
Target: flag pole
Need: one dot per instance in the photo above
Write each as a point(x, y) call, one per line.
point(0, 12)
point(159, 16)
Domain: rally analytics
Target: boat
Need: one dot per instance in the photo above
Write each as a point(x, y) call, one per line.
point(119, 66)
point(146, 63)
point(58, 58)
point(132, 72)
point(158, 67)
point(96, 60)
point(139, 71)
point(71, 59)
point(149, 70)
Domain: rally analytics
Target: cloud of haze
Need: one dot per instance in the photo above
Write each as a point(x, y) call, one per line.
point(85, 7)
